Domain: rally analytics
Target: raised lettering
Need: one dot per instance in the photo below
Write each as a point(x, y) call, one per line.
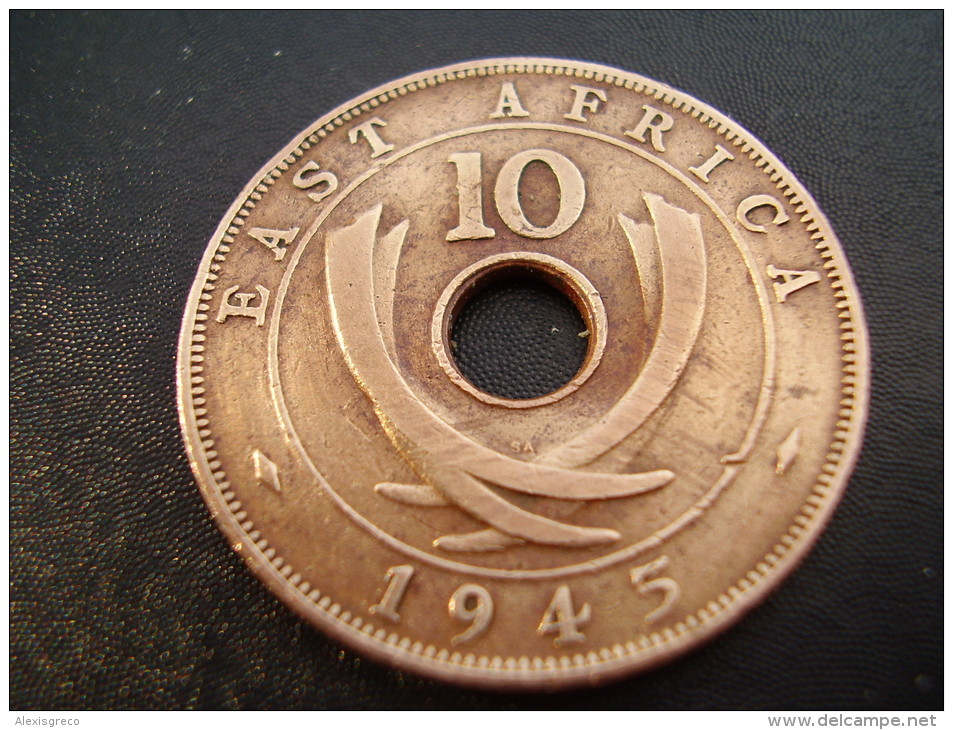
point(643, 578)
point(653, 121)
point(276, 240)
point(243, 308)
point(366, 129)
point(561, 619)
point(756, 201)
point(311, 176)
point(719, 156)
point(582, 101)
point(469, 198)
point(473, 603)
point(509, 103)
point(572, 193)
point(793, 280)
point(398, 577)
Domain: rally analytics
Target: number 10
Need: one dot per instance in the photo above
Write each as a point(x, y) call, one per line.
point(572, 195)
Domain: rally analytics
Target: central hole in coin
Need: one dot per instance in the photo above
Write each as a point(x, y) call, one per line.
point(518, 336)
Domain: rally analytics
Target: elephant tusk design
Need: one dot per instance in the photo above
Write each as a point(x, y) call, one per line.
point(457, 470)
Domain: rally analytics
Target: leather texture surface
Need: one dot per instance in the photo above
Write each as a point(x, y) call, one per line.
point(519, 338)
point(131, 134)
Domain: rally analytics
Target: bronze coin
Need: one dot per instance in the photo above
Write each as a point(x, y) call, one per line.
point(598, 524)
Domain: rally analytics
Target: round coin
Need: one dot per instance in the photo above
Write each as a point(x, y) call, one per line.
point(523, 373)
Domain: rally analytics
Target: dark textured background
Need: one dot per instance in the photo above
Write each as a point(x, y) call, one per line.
point(518, 338)
point(130, 136)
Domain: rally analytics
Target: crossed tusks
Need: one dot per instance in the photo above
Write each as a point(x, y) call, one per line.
point(670, 258)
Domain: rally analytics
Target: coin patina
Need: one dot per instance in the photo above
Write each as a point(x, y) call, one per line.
point(642, 504)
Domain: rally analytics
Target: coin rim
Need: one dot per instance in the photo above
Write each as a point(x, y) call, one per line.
point(735, 601)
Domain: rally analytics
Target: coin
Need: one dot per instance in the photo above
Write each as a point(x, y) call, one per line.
point(627, 495)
